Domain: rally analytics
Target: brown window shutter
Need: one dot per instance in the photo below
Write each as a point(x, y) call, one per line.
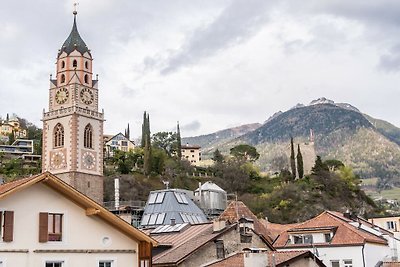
point(8, 226)
point(43, 227)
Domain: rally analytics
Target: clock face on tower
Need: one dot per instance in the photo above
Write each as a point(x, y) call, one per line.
point(57, 160)
point(62, 95)
point(86, 96)
point(88, 160)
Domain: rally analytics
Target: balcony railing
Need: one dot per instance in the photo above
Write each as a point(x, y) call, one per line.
point(71, 110)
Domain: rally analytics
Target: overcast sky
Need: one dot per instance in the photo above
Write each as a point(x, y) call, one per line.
point(207, 64)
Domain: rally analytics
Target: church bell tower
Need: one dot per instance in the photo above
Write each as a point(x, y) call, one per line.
point(73, 125)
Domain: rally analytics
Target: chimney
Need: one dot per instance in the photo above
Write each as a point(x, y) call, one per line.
point(173, 221)
point(116, 188)
point(254, 257)
point(218, 226)
point(347, 214)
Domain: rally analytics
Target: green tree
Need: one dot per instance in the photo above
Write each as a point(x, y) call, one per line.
point(11, 138)
point(319, 167)
point(333, 164)
point(245, 152)
point(292, 159)
point(179, 142)
point(217, 156)
point(146, 144)
point(166, 141)
point(299, 157)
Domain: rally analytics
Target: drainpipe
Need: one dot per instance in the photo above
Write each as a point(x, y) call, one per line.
point(363, 255)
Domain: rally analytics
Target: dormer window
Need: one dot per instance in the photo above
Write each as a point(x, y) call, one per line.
point(74, 63)
point(302, 239)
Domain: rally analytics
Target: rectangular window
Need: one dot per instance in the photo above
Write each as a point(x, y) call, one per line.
point(391, 225)
point(303, 239)
point(105, 263)
point(335, 263)
point(54, 264)
point(219, 245)
point(55, 227)
point(7, 225)
point(152, 198)
point(50, 227)
point(124, 143)
point(348, 263)
point(327, 237)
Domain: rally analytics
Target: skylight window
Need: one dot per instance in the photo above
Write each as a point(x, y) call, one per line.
point(160, 197)
point(156, 198)
point(145, 219)
point(152, 198)
point(181, 198)
point(160, 218)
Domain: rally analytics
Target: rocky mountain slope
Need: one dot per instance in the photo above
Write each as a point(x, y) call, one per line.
point(212, 141)
point(340, 131)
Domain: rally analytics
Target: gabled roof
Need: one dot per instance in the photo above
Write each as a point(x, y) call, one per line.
point(74, 42)
point(118, 136)
point(210, 186)
point(237, 210)
point(345, 234)
point(281, 259)
point(275, 228)
point(92, 207)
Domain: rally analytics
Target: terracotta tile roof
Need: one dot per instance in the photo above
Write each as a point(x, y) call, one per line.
point(237, 210)
point(391, 264)
point(281, 258)
point(345, 233)
point(234, 260)
point(275, 228)
point(184, 243)
point(4, 188)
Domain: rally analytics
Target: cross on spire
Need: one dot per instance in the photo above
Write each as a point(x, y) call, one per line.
point(75, 8)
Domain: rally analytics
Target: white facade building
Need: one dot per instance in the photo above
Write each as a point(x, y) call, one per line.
point(47, 223)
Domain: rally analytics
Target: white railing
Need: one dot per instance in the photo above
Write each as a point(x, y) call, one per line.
point(71, 110)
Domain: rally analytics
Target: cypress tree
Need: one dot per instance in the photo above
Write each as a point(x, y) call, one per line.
point(144, 127)
point(179, 142)
point(147, 145)
point(127, 133)
point(299, 157)
point(292, 159)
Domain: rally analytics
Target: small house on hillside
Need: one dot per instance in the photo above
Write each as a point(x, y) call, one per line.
point(118, 142)
point(46, 222)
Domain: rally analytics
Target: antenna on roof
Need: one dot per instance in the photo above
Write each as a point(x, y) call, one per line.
point(166, 183)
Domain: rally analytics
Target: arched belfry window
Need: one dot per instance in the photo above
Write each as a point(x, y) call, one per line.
point(74, 63)
point(62, 78)
point(62, 64)
point(88, 137)
point(58, 135)
point(86, 78)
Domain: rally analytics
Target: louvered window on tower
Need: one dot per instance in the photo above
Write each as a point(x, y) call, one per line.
point(88, 137)
point(58, 135)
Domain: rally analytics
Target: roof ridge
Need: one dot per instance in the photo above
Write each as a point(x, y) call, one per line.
point(352, 227)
